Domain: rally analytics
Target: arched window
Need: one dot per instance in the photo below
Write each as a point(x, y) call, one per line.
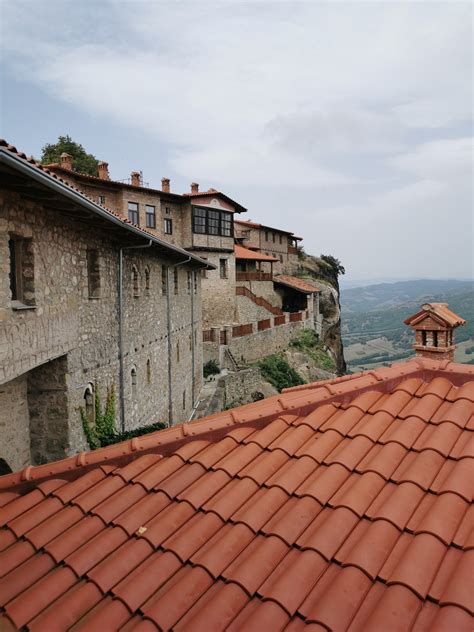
point(89, 403)
point(133, 374)
point(147, 280)
point(135, 281)
point(148, 371)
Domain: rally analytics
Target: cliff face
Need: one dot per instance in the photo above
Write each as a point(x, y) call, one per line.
point(324, 271)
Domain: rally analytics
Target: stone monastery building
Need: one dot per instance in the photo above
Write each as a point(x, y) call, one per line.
point(87, 301)
point(244, 296)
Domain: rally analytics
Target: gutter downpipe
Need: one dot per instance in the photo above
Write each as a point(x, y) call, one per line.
point(120, 319)
point(193, 381)
point(168, 313)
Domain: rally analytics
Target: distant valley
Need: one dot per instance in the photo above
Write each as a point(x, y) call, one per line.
point(373, 332)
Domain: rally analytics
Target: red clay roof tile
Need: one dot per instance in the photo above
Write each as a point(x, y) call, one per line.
point(340, 505)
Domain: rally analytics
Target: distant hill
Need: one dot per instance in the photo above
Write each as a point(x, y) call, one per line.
point(389, 295)
point(372, 319)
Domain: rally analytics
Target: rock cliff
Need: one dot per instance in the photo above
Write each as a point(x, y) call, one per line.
point(324, 272)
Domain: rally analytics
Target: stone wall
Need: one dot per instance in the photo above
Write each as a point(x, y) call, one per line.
point(257, 345)
point(264, 343)
point(239, 387)
point(248, 311)
point(218, 295)
point(14, 423)
point(66, 322)
point(265, 289)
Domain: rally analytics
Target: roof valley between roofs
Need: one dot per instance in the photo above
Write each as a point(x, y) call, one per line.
point(28, 166)
point(346, 505)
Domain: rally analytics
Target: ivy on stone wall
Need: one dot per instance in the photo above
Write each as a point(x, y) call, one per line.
point(104, 426)
point(104, 433)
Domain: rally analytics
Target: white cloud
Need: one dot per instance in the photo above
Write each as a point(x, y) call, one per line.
point(339, 117)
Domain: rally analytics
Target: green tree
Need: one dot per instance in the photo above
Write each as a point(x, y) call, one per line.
point(334, 263)
point(81, 160)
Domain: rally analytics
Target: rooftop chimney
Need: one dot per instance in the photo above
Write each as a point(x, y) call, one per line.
point(165, 185)
point(103, 170)
point(194, 187)
point(434, 327)
point(66, 161)
point(135, 178)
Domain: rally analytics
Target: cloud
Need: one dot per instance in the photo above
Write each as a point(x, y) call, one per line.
point(344, 118)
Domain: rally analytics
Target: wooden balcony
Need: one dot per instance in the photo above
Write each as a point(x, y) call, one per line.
point(253, 276)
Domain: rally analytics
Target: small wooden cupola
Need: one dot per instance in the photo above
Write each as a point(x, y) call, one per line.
point(434, 327)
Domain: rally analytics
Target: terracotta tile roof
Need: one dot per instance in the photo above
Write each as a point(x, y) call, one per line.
point(294, 282)
point(214, 192)
point(249, 224)
point(438, 311)
point(81, 175)
point(245, 253)
point(9, 150)
point(345, 504)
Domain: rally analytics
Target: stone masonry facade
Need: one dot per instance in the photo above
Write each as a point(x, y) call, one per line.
point(63, 343)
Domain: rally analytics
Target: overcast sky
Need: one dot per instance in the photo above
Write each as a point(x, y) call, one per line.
point(347, 123)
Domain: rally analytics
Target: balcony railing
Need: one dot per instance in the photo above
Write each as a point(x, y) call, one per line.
point(253, 276)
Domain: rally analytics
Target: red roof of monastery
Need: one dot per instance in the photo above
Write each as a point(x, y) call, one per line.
point(438, 311)
point(214, 192)
point(344, 504)
point(298, 284)
point(250, 224)
point(245, 253)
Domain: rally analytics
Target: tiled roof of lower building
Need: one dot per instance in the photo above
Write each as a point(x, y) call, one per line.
point(344, 504)
point(251, 255)
point(296, 283)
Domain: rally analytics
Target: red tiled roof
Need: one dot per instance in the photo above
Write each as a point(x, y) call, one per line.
point(215, 192)
point(245, 253)
point(439, 311)
point(255, 225)
point(296, 283)
point(81, 175)
point(344, 504)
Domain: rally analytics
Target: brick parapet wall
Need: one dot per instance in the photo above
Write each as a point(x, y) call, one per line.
point(271, 336)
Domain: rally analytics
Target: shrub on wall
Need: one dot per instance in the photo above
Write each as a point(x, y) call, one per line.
point(104, 433)
point(276, 370)
point(308, 342)
point(210, 368)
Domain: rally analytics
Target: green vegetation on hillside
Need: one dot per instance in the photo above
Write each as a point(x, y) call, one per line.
point(276, 370)
point(308, 342)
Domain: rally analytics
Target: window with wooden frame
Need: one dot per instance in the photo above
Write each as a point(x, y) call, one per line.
point(212, 222)
point(164, 280)
point(133, 214)
point(22, 274)
point(93, 273)
point(168, 226)
point(147, 281)
point(223, 268)
point(150, 216)
point(135, 281)
point(176, 281)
